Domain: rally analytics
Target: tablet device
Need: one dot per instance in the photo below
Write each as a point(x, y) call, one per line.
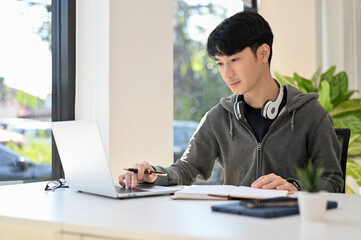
point(269, 202)
point(261, 212)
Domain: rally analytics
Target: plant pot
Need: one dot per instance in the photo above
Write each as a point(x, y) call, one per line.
point(312, 206)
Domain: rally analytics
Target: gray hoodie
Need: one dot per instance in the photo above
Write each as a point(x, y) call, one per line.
point(303, 130)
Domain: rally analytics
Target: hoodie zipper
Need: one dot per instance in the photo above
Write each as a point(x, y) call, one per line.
point(259, 144)
point(259, 147)
point(259, 162)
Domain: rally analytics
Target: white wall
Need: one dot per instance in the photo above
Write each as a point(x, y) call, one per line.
point(125, 77)
point(341, 29)
point(294, 30)
point(141, 82)
point(311, 33)
point(92, 64)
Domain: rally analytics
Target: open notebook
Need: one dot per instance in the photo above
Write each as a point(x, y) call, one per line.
point(85, 163)
point(222, 192)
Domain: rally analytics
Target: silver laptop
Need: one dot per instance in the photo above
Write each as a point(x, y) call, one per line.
point(85, 163)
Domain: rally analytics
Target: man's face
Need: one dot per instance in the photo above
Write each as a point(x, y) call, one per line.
point(240, 71)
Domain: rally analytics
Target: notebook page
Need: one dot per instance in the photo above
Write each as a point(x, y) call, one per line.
point(203, 191)
point(248, 192)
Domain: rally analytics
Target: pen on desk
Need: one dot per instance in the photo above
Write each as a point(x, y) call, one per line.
point(146, 171)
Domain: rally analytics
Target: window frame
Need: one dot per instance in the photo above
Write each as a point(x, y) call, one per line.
point(63, 32)
point(250, 6)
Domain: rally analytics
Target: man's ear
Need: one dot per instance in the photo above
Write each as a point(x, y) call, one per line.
point(263, 53)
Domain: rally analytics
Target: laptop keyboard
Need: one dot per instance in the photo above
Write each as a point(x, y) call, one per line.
point(127, 190)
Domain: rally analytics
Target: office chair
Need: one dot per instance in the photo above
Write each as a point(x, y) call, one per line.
point(344, 136)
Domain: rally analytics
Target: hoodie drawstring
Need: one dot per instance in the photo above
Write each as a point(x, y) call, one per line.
point(230, 125)
point(293, 119)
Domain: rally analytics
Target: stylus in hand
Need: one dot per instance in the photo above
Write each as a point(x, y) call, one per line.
point(146, 171)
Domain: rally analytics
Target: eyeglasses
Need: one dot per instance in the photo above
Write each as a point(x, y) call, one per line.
point(52, 185)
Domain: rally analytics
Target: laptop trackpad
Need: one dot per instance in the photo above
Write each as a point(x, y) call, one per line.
point(127, 190)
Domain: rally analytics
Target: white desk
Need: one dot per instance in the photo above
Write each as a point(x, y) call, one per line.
point(28, 212)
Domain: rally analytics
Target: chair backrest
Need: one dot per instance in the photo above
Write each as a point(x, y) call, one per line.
point(344, 137)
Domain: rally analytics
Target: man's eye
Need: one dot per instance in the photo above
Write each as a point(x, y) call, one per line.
point(219, 64)
point(234, 59)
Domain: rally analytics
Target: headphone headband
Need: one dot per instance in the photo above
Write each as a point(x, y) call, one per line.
point(238, 108)
point(269, 109)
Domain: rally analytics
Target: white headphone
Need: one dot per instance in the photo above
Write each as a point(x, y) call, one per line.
point(269, 109)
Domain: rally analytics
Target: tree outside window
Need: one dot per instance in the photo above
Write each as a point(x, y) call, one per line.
point(197, 84)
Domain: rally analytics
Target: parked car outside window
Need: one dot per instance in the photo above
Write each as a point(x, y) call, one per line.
point(182, 134)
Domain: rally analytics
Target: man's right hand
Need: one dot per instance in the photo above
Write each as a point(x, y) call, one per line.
point(130, 179)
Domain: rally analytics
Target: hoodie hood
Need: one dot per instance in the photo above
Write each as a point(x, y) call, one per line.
point(295, 99)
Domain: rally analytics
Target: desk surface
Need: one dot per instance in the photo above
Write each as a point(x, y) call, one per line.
point(164, 218)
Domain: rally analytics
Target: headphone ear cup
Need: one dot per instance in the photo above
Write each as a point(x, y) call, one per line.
point(272, 110)
point(269, 110)
point(240, 110)
point(264, 109)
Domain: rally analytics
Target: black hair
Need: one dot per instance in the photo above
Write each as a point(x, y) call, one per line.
point(244, 29)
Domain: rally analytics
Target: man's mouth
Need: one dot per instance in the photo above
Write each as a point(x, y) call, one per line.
point(234, 84)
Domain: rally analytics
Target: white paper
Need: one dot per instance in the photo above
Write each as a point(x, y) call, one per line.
point(204, 192)
point(248, 192)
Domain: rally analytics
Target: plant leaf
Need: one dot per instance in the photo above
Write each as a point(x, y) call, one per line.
point(310, 176)
point(324, 96)
point(354, 146)
point(328, 75)
point(348, 121)
point(304, 84)
point(284, 79)
point(338, 87)
point(346, 96)
point(354, 138)
point(354, 170)
point(315, 78)
point(354, 149)
point(353, 105)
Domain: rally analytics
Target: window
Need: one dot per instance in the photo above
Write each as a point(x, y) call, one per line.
point(25, 89)
point(37, 76)
point(197, 84)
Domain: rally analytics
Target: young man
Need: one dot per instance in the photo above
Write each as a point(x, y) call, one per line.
point(262, 132)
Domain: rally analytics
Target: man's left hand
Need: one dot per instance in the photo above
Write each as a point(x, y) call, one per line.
point(272, 181)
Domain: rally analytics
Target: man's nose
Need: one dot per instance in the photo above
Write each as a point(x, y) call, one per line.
point(229, 71)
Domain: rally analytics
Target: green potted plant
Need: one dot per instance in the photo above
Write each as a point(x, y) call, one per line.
point(312, 202)
point(334, 95)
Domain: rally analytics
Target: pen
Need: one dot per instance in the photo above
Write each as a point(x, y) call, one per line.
point(146, 171)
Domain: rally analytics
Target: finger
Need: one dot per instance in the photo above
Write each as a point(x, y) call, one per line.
point(121, 180)
point(134, 179)
point(266, 178)
point(287, 186)
point(261, 181)
point(274, 184)
point(256, 184)
point(128, 180)
point(150, 178)
point(141, 168)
